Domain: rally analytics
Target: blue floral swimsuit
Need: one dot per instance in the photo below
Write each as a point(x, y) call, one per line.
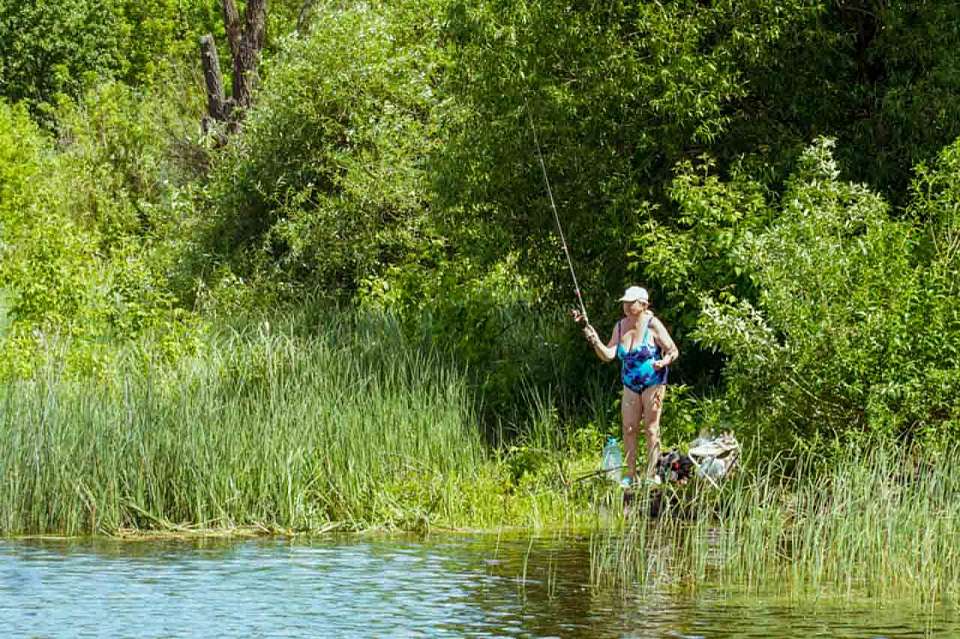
point(636, 365)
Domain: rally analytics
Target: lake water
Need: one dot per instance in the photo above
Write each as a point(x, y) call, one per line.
point(439, 586)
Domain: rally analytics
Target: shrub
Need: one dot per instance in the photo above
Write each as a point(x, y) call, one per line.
point(499, 326)
point(82, 227)
point(846, 333)
point(326, 184)
point(56, 49)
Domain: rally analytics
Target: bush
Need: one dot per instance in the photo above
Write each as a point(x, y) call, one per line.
point(500, 327)
point(852, 319)
point(326, 183)
point(84, 228)
point(45, 253)
point(60, 49)
point(692, 255)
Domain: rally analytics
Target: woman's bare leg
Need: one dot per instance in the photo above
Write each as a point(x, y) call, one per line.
point(631, 407)
point(651, 401)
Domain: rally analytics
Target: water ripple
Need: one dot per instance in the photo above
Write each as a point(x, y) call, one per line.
point(447, 587)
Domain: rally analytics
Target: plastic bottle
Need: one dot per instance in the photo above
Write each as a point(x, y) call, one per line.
point(612, 459)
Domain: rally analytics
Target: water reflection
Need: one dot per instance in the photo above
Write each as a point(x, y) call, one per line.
point(349, 587)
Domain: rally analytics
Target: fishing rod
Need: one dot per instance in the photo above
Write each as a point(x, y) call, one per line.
point(556, 215)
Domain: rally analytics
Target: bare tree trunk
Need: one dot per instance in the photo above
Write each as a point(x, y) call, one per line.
point(248, 51)
point(245, 43)
point(216, 101)
point(231, 22)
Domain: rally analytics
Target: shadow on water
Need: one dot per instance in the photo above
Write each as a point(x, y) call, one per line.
point(463, 585)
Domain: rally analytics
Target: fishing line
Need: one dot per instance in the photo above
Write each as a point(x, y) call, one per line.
point(556, 215)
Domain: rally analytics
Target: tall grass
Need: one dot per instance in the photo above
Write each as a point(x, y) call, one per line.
point(351, 426)
point(878, 524)
point(347, 428)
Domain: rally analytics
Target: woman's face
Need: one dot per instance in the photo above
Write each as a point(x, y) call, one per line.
point(634, 309)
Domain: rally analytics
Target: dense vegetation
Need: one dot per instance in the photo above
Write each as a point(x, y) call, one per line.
point(853, 528)
point(270, 430)
point(783, 175)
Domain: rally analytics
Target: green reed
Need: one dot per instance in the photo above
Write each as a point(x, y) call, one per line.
point(350, 428)
point(880, 523)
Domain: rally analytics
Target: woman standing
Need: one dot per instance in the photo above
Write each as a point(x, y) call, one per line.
point(646, 350)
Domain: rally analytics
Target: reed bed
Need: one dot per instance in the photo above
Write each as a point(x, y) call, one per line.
point(879, 524)
point(352, 426)
point(347, 429)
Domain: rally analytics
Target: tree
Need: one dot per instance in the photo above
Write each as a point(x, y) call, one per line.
point(50, 50)
point(246, 41)
point(620, 92)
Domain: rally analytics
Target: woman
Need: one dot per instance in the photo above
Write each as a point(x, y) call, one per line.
point(646, 350)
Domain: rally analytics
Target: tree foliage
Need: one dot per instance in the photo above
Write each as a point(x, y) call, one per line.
point(618, 91)
point(388, 160)
point(51, 49)
point(853, 326)
point(880, 77)
point(326, 183)
point(87, 239)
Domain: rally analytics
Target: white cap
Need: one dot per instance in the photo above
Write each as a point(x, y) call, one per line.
point(635, 294)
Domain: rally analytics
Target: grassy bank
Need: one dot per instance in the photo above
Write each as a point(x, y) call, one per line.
point(877, 523)
point(349, 428)
point(352, 426)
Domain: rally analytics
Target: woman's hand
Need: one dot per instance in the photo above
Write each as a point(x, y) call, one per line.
point(591, 335)
point(578, 316)
point(604, 352)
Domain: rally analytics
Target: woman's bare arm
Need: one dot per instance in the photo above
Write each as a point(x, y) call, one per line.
point(665, 342)
point(605, 352)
